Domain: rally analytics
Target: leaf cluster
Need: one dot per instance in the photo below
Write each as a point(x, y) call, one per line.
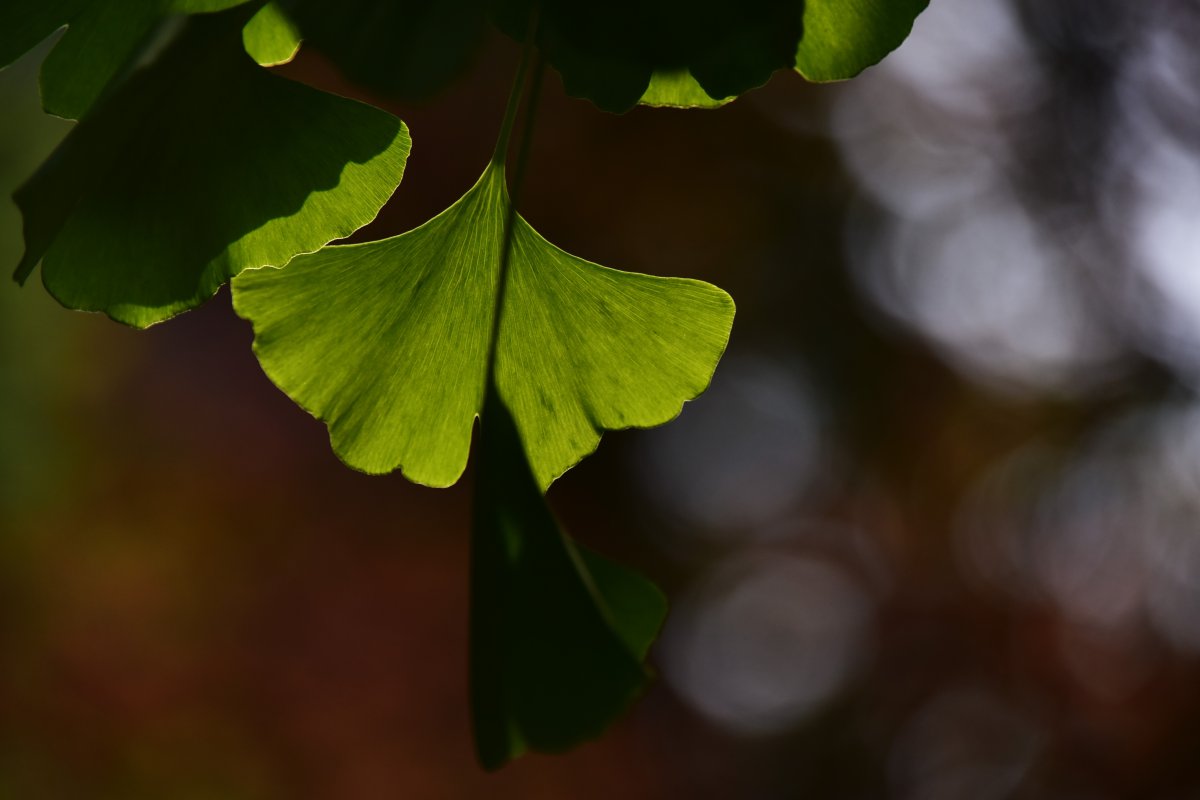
point(192, 165)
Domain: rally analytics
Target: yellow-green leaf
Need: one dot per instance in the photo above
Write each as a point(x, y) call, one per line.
point(387, 342)
point(844, 37)
point(270, 37)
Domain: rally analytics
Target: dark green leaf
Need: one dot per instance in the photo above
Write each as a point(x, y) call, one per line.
point(636, 606)
point(608, 52)
point(408, 49)
point(557, 637)
point(196, 168)
point(100, 43)
point(25, 23)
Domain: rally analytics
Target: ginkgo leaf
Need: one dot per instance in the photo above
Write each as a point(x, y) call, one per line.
point(97, 46)
point(100, 43)
point(841, 38)
point(270, 37)
point(844, 37)
point(678, 89)
point(25, 23)
point(557, 634)
point(406, 49)
point(635, 607)
point(387, 341)
point(609, 52)
point(197, 167)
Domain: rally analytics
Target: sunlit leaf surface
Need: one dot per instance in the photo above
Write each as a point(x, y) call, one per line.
point(270, 37)
point(678, 89)
point(844, 37)
point(387, 342)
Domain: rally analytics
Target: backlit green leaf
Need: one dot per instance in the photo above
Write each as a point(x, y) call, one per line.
point(678, 89)
point(557, 635)
point(844, 37)
point(270, 37)
point(387, 342)
point(196, 168)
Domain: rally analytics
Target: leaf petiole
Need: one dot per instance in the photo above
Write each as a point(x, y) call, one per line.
point(498, 161)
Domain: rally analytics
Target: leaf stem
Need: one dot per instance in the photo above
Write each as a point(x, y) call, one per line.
point(514, 194)
point(500, 154)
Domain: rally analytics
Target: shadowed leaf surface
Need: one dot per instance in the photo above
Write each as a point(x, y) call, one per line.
point(557, 634)
point(609, 52)
point(407, 49)
point(387, 342)
point(678, 89)
point(200, 166)
point(844, 37)
point(100, 42)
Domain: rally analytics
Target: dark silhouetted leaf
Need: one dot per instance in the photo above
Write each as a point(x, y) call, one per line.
point(102, 39)
point(608, 52)
point(407, 49)
point(557, 635)
point(196, 168)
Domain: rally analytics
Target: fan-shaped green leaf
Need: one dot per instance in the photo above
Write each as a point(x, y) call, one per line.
point(197, 167)
point(557, 634)
point(387, 341)
point(844, 37)
point(270, 37)
point(678, 89)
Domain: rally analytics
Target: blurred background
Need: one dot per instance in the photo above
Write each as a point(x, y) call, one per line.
point(934, 532)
